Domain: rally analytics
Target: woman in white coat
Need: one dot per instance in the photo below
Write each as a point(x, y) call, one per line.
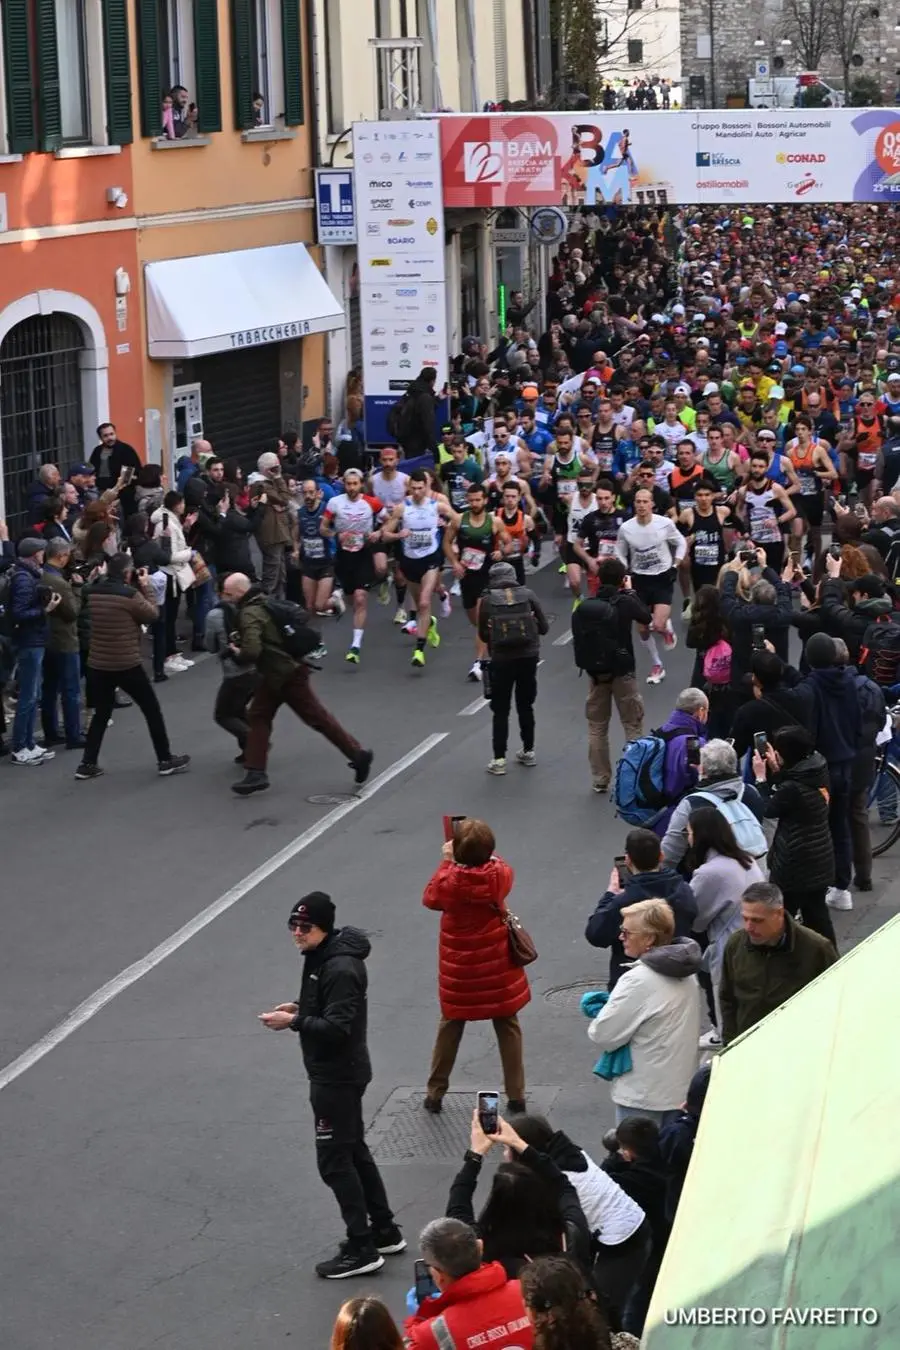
point(655, 1011)
point(167, 522)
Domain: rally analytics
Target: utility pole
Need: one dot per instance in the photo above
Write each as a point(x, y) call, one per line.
point(712, 53)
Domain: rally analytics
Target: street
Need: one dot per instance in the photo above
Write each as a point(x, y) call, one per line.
point(158, 1172)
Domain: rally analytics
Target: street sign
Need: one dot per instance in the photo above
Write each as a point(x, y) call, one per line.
point(762, 70)
point(335, 207)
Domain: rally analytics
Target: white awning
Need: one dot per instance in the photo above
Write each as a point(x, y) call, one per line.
point(222, 302)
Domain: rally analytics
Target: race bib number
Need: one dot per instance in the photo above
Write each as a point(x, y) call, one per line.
point(606, 548)
point(314, 548)
point(809, 484)
point(419, 538)
point(473, 559)
point(353, 541)
point(567, 488)
point(706, 555)
point(866, 460)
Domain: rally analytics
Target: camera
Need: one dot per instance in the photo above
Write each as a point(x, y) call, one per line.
point(834, 550)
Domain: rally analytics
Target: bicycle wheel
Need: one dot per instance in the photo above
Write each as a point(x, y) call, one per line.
point(884, 808)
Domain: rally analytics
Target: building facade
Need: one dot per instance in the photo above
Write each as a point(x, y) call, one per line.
point(157, 258)
point(724, 45)
point(403, 58)
point(233, 304)
point(644, 38)
point(70, 347)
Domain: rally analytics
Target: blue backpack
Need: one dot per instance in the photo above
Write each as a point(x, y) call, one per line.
point(640, 794)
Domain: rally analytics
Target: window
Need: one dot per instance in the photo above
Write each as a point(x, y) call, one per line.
point(267, 61)
point(635, 4)
point(334, 91)
point(178, 48)
point(635, 52)
point(71, 47)
point(602, 36)
point(67, 74)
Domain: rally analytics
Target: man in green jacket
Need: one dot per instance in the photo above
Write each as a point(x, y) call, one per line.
point(284, 680)
point(772, 959)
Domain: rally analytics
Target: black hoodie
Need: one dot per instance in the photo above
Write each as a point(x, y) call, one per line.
point(332, 1014)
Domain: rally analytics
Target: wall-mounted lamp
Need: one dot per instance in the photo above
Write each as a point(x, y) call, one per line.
point(117, 196)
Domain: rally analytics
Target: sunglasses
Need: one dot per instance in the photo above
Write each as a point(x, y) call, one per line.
point(300, 926)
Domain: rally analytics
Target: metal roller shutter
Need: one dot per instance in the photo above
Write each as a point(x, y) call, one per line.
point(241, 401)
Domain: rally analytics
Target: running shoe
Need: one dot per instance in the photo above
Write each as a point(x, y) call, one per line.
point(474, 675)
point(446, 606)
point(319, 652)
point(42, 755)
point(418, 659)
point(456, 589)
point(353, 656)
point(562, 569)
point(670, 638)
point(338, 603)
point(411, 627)
point(30, 758)
point(497, 767)
point(434, 637)
point(836, 898)
point(383, 594)
point(526, 757)
point(575, 603)
point(657, 675)
point(401, 617)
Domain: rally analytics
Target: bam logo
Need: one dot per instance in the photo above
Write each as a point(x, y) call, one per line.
point(483, 161)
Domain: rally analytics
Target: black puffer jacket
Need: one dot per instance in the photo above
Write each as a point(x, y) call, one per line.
point(850, 624)
point(742, 615)
point(801, 857)
point(332, 1013)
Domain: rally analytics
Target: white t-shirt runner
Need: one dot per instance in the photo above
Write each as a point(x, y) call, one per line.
point(353, 521)
point(652, 549)
point(423, 522)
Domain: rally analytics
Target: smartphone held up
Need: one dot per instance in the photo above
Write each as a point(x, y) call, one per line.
point(489, 1111)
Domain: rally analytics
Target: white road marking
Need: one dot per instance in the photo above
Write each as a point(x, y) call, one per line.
point(97, 1001)
point(563, 638)
point(474, 707)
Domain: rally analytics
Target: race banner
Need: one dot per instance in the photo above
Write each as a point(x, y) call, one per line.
point(655, 158)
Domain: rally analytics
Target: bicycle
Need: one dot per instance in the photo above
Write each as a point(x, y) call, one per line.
point(884, 795)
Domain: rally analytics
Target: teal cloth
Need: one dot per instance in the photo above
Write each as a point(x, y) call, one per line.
point(612, 1063)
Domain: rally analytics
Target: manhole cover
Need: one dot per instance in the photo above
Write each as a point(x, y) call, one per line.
point(332, 798)
point(402, 1132)
point(567, 997)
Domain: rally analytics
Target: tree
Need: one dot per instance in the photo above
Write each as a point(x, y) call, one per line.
point(808, 24)
point(865, 92)
point(848, 21)
point(590, 37)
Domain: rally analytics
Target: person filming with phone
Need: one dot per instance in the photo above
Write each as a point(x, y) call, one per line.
point(468, 1297)
point(477, 978)
point(757, 605)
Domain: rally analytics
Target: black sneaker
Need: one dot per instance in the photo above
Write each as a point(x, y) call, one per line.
point(239, 759)
point(253, 781)
point(86, 771)
point(432, 1105)
point(350, 1260)
point(362, 766)
point(160, 678)
point(389, 1242)
point(174, 764)
point(515, 1108)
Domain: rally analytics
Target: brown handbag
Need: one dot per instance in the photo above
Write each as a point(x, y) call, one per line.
point(522, 950)
point(200, 570)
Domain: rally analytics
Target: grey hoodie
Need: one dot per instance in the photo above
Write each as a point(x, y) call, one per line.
point(216, 639)
point(679, 959)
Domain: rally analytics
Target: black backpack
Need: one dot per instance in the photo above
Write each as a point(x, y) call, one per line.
point(596, 642)
point(297, 637)
point(511, 625)
point(398, 418)
point(879, 654)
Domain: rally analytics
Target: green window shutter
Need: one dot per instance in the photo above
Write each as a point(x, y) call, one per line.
point(243, 45)
point(150, 67)
point(48, 75)
point(118, 72)
point(19, 77)
point(293, 63)
point(206, 63)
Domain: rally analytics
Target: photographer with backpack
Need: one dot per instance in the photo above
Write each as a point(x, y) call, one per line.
point(275, 637)
point(604, 649)
point(511, 623)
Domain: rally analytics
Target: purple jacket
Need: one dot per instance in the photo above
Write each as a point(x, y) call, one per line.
point(679, 777)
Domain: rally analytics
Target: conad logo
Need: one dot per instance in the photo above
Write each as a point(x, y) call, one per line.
point(782, 158)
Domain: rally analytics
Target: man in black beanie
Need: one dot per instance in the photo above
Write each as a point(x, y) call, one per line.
point(330, 1019)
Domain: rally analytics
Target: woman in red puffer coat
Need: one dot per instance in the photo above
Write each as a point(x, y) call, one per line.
point(477, 979)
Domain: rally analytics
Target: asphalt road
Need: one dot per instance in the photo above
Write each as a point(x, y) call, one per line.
point(157, 1170)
